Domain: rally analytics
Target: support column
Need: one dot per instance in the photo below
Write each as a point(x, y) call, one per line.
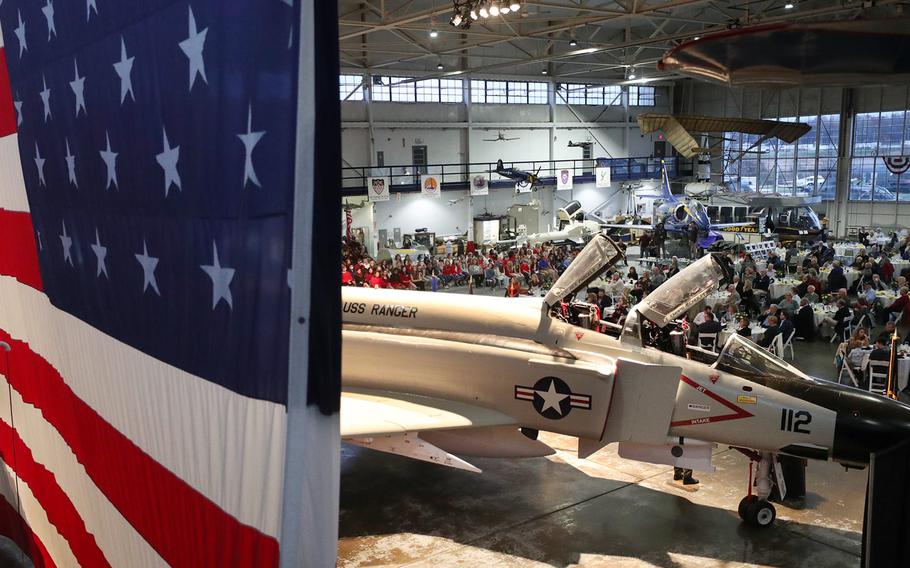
point(838, 221)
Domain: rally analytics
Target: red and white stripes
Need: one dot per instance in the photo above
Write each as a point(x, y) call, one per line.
point(120, 459)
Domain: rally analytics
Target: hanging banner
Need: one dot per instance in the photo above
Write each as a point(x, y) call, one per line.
point(564, 179)
point(480, 185)
point(602, 177)
point(897, 164)
point(430, 186)
point(378, 188)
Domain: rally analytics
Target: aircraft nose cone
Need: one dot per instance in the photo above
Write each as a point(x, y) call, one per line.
point(868, 423)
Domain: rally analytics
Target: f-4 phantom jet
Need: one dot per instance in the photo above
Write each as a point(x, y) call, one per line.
point(443, 378)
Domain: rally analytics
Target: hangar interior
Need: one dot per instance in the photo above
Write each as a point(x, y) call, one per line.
point(469, 129)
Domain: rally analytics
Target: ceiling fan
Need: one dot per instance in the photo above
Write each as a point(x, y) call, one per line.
point(500, 137)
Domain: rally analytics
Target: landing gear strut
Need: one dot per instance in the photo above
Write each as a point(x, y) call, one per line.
point(755, 509)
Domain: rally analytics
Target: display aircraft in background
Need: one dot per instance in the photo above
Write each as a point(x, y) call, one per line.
point(677, 214)
point(441, 378)
point(524, 180)
point(573, 229)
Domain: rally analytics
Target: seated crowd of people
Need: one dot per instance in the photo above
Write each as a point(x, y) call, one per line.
point(520, 271)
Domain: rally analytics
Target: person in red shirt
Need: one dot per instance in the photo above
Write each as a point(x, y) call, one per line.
point(406, 282)
point(375, 280)
point(901, 306)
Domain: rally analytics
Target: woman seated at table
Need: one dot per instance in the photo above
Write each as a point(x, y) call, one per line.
point(729, 316)
point(744, 329)
point(788, 304)
point(747, 303)
point(859, 339)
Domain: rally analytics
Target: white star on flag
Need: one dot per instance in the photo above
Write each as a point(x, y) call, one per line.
point(78, 87)
point(250, 139)
point(551, 398)
point(67, 242)
point(124, 68)
point(46, 99)
point(192, 47)
point(110, 160)
point(221, 280)
point(167, 159)
point(148, 263)
point(70, 164)
point(39, 163)
point(100, 255)
point(48, 10)
point(20, 35)
point(89, 6)
point(18, 105)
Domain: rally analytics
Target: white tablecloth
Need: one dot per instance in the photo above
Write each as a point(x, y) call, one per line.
point(851, 274)
point(781, 286)
point(821, 312)
point(903, 367)
point(757, 333)
point(848, 250)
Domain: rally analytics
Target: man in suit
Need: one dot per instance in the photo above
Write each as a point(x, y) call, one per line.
point(786, 325)
point(743, 329)
point(710, 325)
point(772, 312)
point(835, 324)
point(772, 330)
point(836, 278)
point(882, 350)
point(804, 322)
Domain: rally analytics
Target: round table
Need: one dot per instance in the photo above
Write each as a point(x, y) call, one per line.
point(781, 286)
point(723, 335)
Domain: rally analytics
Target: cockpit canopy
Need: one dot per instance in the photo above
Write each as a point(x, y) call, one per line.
point(678, 294)
point(598, 255)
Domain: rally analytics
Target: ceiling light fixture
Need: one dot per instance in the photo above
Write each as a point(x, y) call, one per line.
point(572, 42)
point(696, 38)
point(434, 33)
point(466, 12)
point(788, 6)
point(543, 71)
point(631, 72)
point(440, 66)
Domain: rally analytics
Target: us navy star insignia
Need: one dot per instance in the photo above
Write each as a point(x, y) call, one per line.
point(552, 398)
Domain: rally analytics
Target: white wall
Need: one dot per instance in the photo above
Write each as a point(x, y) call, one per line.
point(409, 211)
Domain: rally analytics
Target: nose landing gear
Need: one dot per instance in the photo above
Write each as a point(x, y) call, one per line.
point(755, 509)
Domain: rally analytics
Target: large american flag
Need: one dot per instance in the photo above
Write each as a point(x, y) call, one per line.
point(147, 171)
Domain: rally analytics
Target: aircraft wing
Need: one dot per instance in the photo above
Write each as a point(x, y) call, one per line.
point(680, 129)
point(728, 225)
point(377, 413)
point(432, 429)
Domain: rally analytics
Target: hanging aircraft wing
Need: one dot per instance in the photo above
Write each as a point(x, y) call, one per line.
point(681, 129)
point(623, 226)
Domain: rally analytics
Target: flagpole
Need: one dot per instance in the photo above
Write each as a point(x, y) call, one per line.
point(309, 523)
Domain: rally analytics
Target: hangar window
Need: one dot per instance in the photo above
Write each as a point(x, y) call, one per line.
point(350, 87)
point(402, 92)
point(641, 96)
point(428, 91)
point(450, 91)
point(877, 135)
point(478, 91)
point(538, 93)
point(497, 92)
point(518, 92)
point(613, 95)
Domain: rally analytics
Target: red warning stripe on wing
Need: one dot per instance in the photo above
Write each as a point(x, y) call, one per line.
point(737, 413)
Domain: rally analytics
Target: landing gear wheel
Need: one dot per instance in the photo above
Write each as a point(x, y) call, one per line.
point(744, 506)
point(760, 513)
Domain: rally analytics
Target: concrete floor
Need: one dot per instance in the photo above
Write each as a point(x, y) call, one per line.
point(603, 511)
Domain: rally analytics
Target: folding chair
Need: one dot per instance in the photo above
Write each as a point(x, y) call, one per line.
point(878, 376)
point(707, 341)
point(786, 344)
point(776, 347)
point(845, 332)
